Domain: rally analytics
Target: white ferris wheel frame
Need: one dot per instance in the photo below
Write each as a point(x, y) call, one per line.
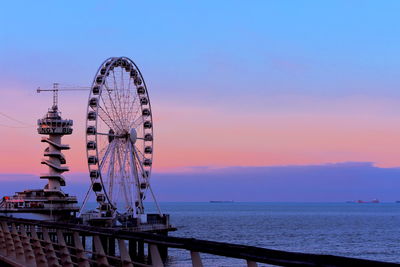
point(139, 172)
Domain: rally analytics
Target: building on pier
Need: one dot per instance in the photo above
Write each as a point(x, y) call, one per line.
point(51, 202)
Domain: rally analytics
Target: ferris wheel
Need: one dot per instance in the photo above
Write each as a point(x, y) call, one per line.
point(119, 138)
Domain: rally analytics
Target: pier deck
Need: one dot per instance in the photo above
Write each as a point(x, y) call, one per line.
point(39, 243)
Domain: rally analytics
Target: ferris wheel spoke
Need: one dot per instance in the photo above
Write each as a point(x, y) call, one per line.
point(110, 119)
point(122, 176)
point(136, 175)
point(139, 121)
point(123, 96)
point(140, 152)
point(104, 158)
point(132, 104)
point(127, 180)
point(127, 98)
point(138, 159)
point(108, 113)
point(115, 114)
point(134, 115)
point(117, 96)
point(132, 112)
point(115, 111)
point(110, 177)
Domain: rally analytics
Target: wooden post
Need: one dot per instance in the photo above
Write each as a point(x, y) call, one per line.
point(125, 259)
point(196, 259)
point(251, 263)
point(65, 256)
point(80, 254)
point(3, 246)
point(26, 243)
point(9, 241)
point(50, 252)
point(101, 257)
point(38, 249)
point(156, 260)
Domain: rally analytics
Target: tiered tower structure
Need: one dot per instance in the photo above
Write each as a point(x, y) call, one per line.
point(55, 127)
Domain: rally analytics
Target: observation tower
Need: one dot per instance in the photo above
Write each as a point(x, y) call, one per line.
point(55, 127)
point(50, 202)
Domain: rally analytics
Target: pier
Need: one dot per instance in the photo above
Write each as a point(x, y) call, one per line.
point(39, 243)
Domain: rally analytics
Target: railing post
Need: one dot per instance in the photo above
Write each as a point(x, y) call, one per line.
point(125, 259)
point(196, 259)
point(80, 254)
point(251, 263)
point(101, 257)
point(156, 260)
point(9, 241)
point(41, 260)
point(50, 252)
point(65, 256)
point(26, 243)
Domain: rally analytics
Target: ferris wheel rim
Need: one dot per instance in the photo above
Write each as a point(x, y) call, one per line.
point(113, 60)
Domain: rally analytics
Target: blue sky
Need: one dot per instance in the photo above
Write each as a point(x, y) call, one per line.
point(232, 83)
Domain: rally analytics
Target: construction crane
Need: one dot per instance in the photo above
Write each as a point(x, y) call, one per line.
point(56, 88)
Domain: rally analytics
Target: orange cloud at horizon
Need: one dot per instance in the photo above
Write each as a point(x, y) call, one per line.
point(297, 131)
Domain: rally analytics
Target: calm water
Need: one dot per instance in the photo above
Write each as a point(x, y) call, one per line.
point(370, 231)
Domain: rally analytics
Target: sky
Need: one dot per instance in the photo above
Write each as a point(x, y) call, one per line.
point(259, 84)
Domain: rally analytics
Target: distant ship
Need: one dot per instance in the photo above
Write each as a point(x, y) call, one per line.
point(221, 201)
point(372, 201)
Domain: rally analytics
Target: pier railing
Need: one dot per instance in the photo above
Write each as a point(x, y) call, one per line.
point(39, 243)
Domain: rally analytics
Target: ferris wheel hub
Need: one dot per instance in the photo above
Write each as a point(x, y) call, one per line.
point(133, 135)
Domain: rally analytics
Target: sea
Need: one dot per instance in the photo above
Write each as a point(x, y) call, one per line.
point(360, 230)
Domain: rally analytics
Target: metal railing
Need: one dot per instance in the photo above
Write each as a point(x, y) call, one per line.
point(39, 243)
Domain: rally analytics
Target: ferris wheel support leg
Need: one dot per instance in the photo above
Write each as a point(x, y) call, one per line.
point(135, 173)
point(155, 201)
point(85, 200)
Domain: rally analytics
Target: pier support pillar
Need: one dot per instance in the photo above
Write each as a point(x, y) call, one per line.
point(125, 259)
point(251, 263)
point(155, 257)
point(196, 259)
